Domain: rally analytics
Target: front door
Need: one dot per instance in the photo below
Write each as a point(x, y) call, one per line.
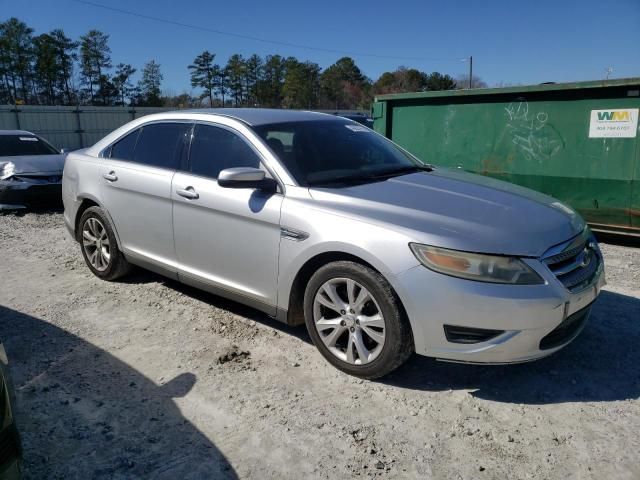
point(226, 238)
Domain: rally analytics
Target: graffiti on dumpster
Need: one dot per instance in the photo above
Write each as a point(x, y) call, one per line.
point(531, 133)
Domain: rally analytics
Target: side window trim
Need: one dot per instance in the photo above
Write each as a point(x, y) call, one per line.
point(106, 152)
point(263, 163)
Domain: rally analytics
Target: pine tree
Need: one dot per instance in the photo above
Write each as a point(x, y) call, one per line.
point(205, 74)
point(95, 61)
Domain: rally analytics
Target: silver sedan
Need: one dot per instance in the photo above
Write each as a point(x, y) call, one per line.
point(316, 219)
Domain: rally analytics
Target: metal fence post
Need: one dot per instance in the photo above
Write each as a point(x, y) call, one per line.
point(79, 126)
point(15, 109)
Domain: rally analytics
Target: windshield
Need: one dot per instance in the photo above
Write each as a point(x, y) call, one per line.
point(324, 152)
point(18, 145)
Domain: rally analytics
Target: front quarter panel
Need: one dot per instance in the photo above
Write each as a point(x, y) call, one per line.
point(384, 249)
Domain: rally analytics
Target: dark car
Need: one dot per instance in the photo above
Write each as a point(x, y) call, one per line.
point(10, 451)
point(358, 117)
point(30, 171)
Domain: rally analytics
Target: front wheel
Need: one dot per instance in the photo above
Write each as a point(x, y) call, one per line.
point(355, 319)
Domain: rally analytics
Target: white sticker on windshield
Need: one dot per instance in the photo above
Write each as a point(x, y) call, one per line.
point(28, 139)
point(357, 128)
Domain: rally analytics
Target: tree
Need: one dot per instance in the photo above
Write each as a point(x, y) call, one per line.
point(462, 82)
point(122, 82)
point(411, 80)
point(438, 81)
point(46, 67)
point(252, 75)
point(221, 82)
point(204, 74)
point(401, 80)
point(66, 55)
point(343, 86)
point(95, 61)
point(269, 87)
point(149, 85)
point(301, 84)
point(235, 71)
point(17, 59)
point(184, 100)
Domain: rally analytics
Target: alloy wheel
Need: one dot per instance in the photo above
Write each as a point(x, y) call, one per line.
point(349, 321)
point(95, 243)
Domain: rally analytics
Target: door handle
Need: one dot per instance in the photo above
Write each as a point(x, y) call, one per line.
point(188, 193)
point(111, 176)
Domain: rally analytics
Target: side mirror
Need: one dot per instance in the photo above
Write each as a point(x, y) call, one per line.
point(246, 177)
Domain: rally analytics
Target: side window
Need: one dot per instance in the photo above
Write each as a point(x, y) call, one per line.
point(123, 149)
point(213, 149)
point(161, 144)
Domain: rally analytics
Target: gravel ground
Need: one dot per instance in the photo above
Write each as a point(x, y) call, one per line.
point(148, 378)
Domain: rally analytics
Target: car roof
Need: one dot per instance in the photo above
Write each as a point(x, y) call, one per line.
point(263, 116)
point(15, 132)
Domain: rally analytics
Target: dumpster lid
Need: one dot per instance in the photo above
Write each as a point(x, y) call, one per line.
point(545, 87)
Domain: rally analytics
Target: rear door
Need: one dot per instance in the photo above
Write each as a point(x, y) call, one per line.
point(227, 240)
point(136, 190)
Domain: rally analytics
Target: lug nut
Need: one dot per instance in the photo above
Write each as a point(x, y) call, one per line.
point(352, 329)
point(342, 312)
point(357, 322)
point(352, 311)
point(343, 323)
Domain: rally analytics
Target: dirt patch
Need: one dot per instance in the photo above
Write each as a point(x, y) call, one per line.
point(147, 378)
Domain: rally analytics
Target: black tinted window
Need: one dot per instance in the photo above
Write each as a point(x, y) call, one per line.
point(317, 152)
point(123, 149)
point(161, 144)
point(17, 145)
point(213, 149)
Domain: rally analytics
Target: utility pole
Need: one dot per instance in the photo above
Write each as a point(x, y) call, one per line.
point(608, 71)
point(471, 71)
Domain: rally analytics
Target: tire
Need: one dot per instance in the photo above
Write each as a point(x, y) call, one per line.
point(109, 263)
point(376, 350)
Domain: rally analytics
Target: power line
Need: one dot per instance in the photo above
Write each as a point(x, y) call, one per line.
point(257, 39)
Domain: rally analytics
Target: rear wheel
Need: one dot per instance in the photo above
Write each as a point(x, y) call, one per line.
point(355, 319)
point(99, 247)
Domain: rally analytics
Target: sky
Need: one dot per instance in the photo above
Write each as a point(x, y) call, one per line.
point(511, 41)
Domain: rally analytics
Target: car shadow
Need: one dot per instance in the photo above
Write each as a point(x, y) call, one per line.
point(140, 275)
point(83, 413)
point(600, 365)
point(618, 239)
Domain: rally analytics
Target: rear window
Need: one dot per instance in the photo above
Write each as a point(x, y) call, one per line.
point(19, 145)
point(123, 149)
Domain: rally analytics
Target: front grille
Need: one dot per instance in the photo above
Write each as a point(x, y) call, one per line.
point(576, 266)
point(567, 330)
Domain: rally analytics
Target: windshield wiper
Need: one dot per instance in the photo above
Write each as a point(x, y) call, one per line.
point(374, 177)
point(403, 171)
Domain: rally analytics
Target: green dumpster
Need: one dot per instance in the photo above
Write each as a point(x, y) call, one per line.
point(576, 141)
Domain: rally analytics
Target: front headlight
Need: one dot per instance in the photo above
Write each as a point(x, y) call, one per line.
point(7, 169)
point(474, 266)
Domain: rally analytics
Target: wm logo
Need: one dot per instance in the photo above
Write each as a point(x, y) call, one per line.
point(614, 116)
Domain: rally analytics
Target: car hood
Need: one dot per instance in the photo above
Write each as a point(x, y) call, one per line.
point(36, 163)
point(459, 210)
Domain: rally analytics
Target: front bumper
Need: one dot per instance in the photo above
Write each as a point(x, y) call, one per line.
point(16, 195)
point(525, 314)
